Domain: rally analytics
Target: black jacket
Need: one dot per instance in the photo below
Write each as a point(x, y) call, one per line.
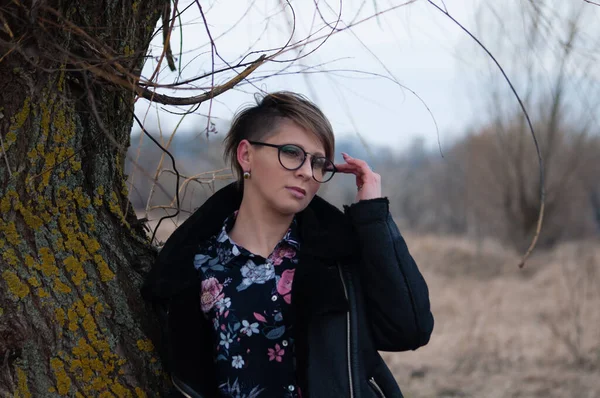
point(356, 290)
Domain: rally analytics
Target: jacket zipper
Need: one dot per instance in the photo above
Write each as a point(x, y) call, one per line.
point(349, 351)
point(185, 394)
point(376, 387)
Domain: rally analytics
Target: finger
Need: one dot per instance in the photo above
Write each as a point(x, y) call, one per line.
point(358, 162)
point(347, 168)
point(352, 170)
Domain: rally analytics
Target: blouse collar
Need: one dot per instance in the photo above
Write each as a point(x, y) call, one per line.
point(290, 238)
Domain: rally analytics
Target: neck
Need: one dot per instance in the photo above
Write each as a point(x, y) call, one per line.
point(258, 228)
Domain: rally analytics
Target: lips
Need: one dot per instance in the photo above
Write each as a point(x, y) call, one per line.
point(297, 189)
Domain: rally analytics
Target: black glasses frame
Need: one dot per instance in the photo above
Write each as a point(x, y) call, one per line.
point(333, 171)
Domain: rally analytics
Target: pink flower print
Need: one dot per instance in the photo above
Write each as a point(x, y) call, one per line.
point(211, 293)
point(284, 286)
point(276, 353)
point(259, 317)
point(282, 252)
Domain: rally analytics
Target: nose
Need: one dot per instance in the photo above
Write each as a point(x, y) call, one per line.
point(305, 171)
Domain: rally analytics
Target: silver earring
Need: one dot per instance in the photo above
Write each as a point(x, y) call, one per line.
point(246, 175)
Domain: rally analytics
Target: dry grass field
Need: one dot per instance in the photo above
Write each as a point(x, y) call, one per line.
point(501, 331)
point(505, 332)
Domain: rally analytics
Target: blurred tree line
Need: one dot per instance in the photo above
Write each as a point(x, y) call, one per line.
point(485, 185)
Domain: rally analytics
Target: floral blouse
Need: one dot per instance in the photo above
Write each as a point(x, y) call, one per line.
point(248, 299)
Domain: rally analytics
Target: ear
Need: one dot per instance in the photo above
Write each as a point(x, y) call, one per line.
point(244, 155)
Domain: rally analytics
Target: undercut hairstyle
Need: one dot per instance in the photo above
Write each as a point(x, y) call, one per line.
point(262, 121)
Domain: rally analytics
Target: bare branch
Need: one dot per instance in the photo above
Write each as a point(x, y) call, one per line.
point(167, 35)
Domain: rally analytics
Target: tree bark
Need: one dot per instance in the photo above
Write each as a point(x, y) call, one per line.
point(72, 257)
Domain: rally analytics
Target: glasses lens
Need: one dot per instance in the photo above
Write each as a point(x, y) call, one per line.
point(291, 157)
point(323, 169)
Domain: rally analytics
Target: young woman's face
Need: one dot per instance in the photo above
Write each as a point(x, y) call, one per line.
point(286, 191)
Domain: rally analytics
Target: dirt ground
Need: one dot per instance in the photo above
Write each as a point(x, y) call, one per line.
point(501, 331)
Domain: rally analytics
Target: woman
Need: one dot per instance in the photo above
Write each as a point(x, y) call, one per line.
point(267, 290)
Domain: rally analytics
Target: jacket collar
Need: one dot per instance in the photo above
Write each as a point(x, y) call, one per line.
point(324, 231)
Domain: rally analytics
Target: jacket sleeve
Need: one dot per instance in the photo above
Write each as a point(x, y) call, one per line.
point(395, 292)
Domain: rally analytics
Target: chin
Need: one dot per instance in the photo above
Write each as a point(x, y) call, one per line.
point(290, 206)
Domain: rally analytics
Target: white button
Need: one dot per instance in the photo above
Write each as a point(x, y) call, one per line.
point(274, 297)
point(291, 387)
point(285, 343)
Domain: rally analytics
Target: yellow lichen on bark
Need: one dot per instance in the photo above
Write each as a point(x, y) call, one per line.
point(145, 345)
point(63, 382)
point(48, 263)
point(33, 281)
point(5, 202)
point(29, 261)
point(22, 388)
point(98, 195)
point(32, 220)
point(105, 273)
point(81, 198)
point(10, 256)
point(89, 300)
point(90, 221)
point(61, 317)
point(15, 285)
point(76, 270)
point(10, 232)
point(113, 205)
point(91, 361)
point(17, 123)
point(61, 287)
point(11, 201)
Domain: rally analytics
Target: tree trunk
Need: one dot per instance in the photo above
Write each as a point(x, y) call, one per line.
point(72, 251)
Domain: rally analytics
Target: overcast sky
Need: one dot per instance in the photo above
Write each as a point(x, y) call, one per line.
point(416, 44)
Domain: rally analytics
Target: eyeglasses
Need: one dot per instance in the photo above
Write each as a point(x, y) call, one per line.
point(292, 157)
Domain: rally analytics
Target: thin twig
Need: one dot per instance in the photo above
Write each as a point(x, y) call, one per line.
point(159, 207)
point(174, 168)
point(167, 34)
point(160, 163)
point(213, 49)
